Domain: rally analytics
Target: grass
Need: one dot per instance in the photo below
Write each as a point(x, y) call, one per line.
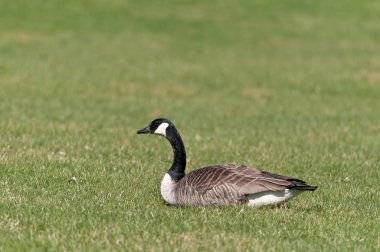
point(291, 86)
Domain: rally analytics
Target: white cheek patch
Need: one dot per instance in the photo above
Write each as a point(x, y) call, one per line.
point(161, 130)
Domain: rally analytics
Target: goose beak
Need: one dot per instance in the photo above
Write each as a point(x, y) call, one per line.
point(145, 130)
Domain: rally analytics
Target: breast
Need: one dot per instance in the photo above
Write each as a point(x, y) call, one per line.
point(168, 189)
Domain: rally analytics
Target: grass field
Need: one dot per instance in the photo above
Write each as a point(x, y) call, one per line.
point(292, 87)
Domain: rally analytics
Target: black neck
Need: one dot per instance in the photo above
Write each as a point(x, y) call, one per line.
point(177, 170)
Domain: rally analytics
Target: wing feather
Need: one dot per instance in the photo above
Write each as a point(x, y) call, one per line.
point(229, 183)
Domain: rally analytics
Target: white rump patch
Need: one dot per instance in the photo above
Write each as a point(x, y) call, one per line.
point(271, 198)
point(167, 189)
point(161, 130)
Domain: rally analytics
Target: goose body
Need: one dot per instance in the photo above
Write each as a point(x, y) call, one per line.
point(225, 184)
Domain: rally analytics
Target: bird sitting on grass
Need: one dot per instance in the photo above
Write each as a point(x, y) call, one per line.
point(224, 184)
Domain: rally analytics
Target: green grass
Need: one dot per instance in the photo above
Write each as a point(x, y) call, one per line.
point(292, 87)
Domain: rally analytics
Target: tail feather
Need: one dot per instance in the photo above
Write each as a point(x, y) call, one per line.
point(274, 175)
point(297, 184)
point(297, 181)
point(304, 187)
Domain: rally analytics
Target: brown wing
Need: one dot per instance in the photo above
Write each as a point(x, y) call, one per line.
point(229, 184)
point(248, 180)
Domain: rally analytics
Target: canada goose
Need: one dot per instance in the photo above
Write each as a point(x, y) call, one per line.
point(226, 184)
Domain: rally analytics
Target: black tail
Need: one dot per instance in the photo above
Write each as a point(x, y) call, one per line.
point(304, 188)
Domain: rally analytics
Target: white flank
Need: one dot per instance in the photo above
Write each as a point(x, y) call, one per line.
point(167, 189)
point(271, 198)
point(161, 130)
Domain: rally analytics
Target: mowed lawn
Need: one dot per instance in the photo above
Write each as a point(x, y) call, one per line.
point(292, 87)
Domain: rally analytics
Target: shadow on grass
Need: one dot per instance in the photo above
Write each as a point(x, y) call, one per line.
point(305, 209)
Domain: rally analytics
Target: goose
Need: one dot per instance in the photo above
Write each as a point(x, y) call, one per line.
point(223, 184)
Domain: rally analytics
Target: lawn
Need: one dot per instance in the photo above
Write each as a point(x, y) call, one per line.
point(292, 87)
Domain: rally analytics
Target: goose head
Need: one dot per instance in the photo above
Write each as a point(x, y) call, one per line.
point(164, 127)
point(160, 126)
